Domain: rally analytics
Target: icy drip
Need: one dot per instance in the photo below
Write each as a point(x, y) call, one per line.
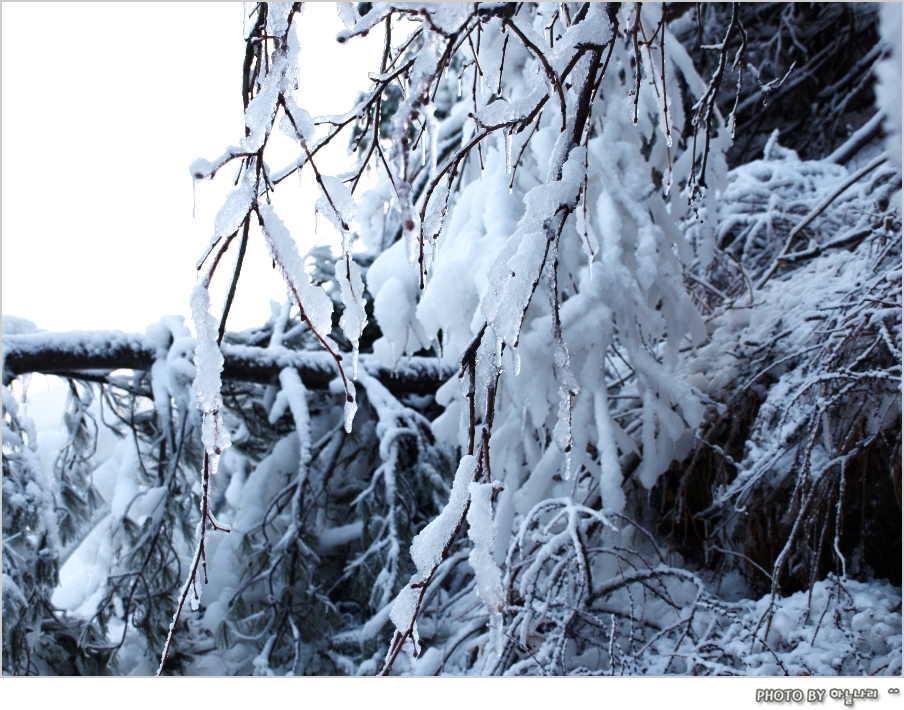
point(516, 362)
point(355, 353)
point(566, 466)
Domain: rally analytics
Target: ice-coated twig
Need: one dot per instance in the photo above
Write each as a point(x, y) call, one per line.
point(428, 549)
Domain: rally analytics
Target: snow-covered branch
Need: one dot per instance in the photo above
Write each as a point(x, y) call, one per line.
point(95, 354)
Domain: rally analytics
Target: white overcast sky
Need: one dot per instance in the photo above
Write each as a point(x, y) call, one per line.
point(105, 105)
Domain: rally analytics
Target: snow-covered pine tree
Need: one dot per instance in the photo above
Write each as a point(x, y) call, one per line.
point(604, 378)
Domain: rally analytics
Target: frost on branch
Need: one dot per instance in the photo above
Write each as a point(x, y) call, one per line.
point(214, 434)
point(313, 301)
point(354, 318)
point(427, 550)
point(482, 533)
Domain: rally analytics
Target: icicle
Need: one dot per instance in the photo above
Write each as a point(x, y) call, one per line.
point(508, 155)
point(516, 358)
point(351, 407)
point(194, 196)
point(438, 344)
point(611, 494)
point(648, 473)
point(459, 87)
point(566, 466)
point(355, 360)
point(193, 580)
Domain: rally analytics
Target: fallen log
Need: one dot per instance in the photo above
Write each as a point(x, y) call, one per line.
point(97, 352)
